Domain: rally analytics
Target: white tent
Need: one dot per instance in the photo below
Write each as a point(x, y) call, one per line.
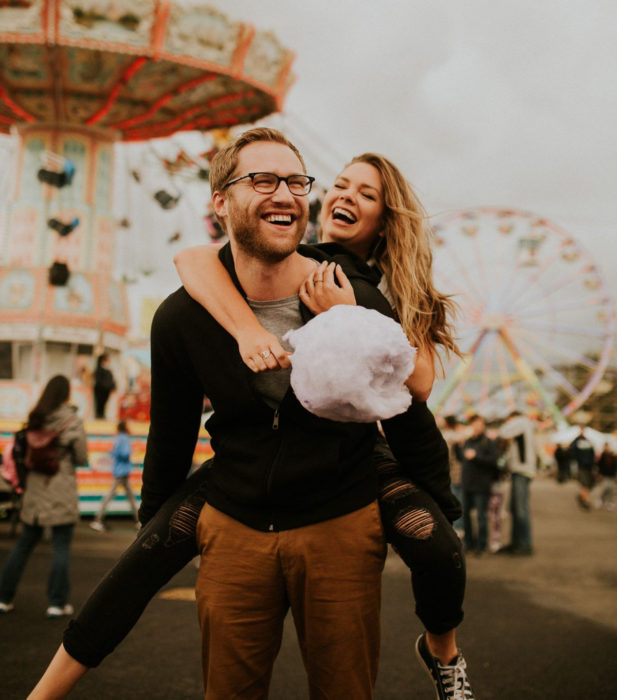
point(597, 439)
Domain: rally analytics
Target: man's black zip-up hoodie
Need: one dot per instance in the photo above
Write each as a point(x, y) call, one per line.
point(273, 469)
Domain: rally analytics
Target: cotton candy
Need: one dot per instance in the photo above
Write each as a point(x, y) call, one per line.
point(349, 364)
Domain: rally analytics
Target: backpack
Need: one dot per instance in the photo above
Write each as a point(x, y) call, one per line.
point(13, 470)
point(42, 453)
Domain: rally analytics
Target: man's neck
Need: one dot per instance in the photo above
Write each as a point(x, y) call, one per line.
point(263, 281)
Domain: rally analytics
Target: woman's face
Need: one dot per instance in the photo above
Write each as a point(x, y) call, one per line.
point(352, 210)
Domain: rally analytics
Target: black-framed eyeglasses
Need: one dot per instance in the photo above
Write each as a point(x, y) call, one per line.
point(267, 183)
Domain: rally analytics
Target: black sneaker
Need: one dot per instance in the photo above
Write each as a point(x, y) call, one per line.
point(450, 681)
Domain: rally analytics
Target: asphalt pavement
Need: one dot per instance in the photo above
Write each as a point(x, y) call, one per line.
point(540, 627)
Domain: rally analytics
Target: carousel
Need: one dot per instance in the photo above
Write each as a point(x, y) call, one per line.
point(76, 78)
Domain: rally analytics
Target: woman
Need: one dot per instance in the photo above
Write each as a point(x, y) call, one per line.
point(50, 501)
point(374, 212)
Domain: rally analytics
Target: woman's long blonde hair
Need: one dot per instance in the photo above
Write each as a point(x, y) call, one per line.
point(403, 254)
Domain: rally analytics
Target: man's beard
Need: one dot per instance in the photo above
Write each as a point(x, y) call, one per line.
point(247, 236)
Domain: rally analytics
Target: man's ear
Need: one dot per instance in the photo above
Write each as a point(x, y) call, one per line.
point(219, 202)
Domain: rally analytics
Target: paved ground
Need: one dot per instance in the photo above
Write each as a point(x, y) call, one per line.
point(540, 627)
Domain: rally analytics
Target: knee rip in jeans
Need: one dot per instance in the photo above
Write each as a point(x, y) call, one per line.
point(396, 488)
point(184, 520)
point(150, 542)
point(385, 468)
point(417, 524)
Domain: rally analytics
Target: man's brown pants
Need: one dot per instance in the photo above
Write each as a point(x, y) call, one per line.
point(329, 574)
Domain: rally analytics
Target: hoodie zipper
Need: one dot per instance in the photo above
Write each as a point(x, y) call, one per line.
point(275, 426)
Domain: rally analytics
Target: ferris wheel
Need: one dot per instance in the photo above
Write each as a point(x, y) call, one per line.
point(535, 323)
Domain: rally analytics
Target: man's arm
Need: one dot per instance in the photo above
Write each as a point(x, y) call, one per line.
point(175, 412)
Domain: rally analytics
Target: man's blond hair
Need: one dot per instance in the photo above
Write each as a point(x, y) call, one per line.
point(225, 161)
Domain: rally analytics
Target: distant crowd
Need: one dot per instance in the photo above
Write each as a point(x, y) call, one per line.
point(492, 466)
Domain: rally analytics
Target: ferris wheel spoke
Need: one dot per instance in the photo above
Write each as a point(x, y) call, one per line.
point(566, 306)
point(563, 328)
point(503, 374)
point(486, 370)
point(558, 349)
point(519, 291)
point(530, 377)
point(464, 273)
point(539, 361)
point(548, 292)
point(458, 375)
point(480, 263)
point(501, 248)
point(455, 288)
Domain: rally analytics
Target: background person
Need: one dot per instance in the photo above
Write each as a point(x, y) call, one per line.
point(480, 456)
point(521, 458)
point(563, 460)
point(581, 449)
point(454, 435)
point(104, 384)
point(50, 501)
point(121, 455)
point(603, 493)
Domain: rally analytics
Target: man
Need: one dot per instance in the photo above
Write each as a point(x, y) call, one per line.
point(291, 519)
point(479, 471)
point(585, 457)
point(603, 494)
point(521, 458)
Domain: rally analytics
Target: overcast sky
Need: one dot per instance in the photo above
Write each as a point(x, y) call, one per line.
point(479, 102)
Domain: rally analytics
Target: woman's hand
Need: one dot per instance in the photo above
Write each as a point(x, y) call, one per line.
point(261, 350)
point(319, 291)
point(420, 381)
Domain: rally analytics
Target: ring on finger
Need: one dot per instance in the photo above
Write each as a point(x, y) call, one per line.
point(265, 354)
point(318, 281)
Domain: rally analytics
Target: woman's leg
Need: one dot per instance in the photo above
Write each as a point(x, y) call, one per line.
point(427, 543)
point(58, 585)
point(59, 678)
point(17, 559)
point(163, 547)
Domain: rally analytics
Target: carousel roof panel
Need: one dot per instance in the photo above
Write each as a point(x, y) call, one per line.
point(144, 68)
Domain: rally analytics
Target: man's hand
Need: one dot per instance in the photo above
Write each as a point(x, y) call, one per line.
point(469, 453)
point(320, 291)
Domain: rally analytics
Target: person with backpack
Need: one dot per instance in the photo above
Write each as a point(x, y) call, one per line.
point(55, 444)
point(121, 454)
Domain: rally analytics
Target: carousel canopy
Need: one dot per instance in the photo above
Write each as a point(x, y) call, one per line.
point(141, 68)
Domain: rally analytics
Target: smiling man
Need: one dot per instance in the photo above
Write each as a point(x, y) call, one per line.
point(291, 520)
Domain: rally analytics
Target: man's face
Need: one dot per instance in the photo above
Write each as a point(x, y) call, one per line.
point(477, 427)
point(268, 227)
